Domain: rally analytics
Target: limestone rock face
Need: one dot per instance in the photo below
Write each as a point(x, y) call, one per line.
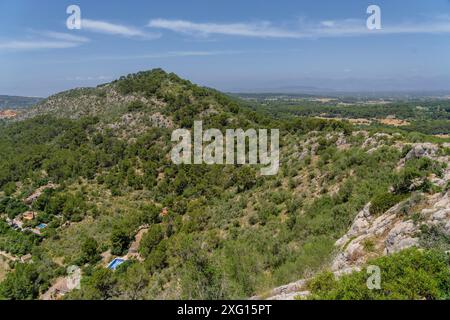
point(422, 150)
point(395, 230)
point(373, 236)
point(369, 236)
point(401, 237)
point(376, 141)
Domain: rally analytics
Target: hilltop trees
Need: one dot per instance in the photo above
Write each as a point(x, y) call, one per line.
point(22, 284)
point(89, 251)
point(151, 240)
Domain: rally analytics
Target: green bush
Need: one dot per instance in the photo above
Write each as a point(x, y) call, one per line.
point(384, 201)
point(411, 274)
point(151, 239)
point(9, 188)
point(135, 106)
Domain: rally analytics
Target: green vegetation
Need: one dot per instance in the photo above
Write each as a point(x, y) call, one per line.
point(16, 242)
point(28, 281)
point(382, 202)
point(410, 274)
point(425, 116)
point(12, 207)
point(14, 102)
point(213, 231)
point(434, 237)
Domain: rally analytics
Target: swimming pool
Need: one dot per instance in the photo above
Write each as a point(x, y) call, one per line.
point(42, 226)
point(115, 263)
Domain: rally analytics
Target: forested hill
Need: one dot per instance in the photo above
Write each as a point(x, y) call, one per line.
point(86, 177)
point(146, 92)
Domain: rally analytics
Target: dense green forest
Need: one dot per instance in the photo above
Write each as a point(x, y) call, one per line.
point(425, 116)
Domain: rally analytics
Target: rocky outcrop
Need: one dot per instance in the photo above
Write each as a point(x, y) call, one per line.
point(64, 285)
point(371, 236)
point(398, 228)
point(297, 289)
point(421, 150)
point(36, 194)
point(286, 292)
point(376, 140)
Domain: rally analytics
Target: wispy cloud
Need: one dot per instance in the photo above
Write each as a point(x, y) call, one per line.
point(159, 55)
point(64, 36)
point(115, 29)
point(260, 29)
point(327, 28)
point(150, 56)
point(41, 40)
point(26, 45)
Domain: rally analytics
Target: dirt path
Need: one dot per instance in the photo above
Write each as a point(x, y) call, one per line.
point(8, 256)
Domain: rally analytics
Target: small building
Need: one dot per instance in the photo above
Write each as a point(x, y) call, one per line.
point(26, 258)
point(29, 215)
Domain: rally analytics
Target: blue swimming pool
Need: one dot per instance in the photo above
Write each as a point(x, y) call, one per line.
point(42, 226)
point(115, 263)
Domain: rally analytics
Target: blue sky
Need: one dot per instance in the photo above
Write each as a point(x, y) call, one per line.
point(251, 45)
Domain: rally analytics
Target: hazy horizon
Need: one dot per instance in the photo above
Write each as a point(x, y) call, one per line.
point(231, 46)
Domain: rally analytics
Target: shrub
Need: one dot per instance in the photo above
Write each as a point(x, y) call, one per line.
point(410, 274)
point(135, 106)
point(384, 201)
point(151, 239)
point(120, 240)
point(9, 188)
point(89, 251)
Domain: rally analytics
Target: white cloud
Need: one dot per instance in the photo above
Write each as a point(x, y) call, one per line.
point(36, 45)
point(115, 29)
point(41, 40)
point(328, 28)
point(64, 36)
point(328, 23)
point(162, 55)
point(260, 29)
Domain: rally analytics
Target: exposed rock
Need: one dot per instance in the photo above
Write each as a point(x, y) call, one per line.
point(388, 233)
point(441, 214)
point(39, 192)
point(290, 296)
point(161, 121)
point(401, 237)
point(64, 285)
point(372, 236)
point(421, 150)
point(298, 289)
point(376, 141)
point(401, 243)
